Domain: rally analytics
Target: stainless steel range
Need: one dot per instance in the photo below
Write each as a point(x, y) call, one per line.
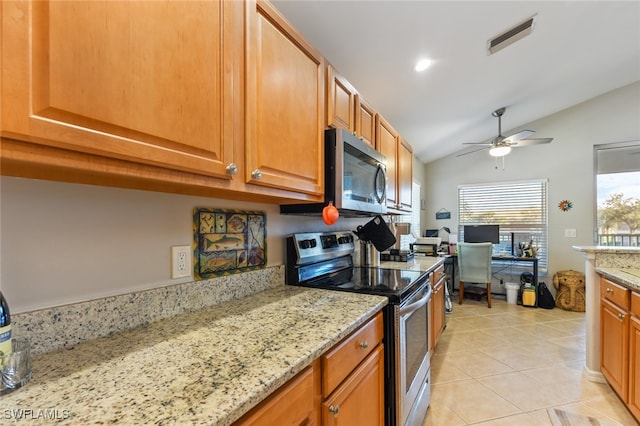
point(325, 260)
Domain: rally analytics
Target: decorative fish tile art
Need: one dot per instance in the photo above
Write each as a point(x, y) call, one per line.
point(228, 241)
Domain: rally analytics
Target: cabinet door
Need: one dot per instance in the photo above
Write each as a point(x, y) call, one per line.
point(634, 367)
point(285, 105)
point(157, 83)
point(292, 404)
point(387, 145)
point(341, 101)
point(437, 313)
point(359, 400)
point(365, 122)
point(614, 347)
point(405, 175)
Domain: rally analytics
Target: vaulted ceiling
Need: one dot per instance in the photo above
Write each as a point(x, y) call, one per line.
point(577, 50)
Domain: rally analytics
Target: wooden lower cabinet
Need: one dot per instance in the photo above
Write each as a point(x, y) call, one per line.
point(614, 338)
point(292, 404)
point(359, 400)
point(634, 356)
point(437, 308)
point(345, 386)
point(620, 342)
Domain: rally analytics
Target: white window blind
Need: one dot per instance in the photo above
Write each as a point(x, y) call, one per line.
point(520, 208)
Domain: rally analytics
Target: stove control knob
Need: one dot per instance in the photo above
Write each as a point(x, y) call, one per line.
point(305, 244)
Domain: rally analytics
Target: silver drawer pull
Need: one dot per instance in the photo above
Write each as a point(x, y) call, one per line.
point(334, 409)
point(256, 174)
point(609, 290)
point(364, 345)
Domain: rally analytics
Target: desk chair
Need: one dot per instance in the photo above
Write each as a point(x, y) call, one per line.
point(474, 264)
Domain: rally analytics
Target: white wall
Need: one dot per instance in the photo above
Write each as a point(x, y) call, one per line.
point(567, 163)
point(63, 243)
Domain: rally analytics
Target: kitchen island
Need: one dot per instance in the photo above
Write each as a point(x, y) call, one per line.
point(614, 262)
point(205, 367)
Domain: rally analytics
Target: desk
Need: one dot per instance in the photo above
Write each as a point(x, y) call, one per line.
point(452, 261)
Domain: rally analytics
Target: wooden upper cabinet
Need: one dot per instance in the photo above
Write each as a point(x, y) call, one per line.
point(365, 121)
point(387, 145)
point(285, 105)
point(405, 174)
point(341, 101)
point(157, 83)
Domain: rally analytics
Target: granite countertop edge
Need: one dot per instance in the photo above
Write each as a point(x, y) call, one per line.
point(622, 276)
point(205, 367)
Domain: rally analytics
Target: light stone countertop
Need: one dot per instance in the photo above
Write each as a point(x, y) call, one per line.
point(206, 367)
point(418, 263)
point(628, 277)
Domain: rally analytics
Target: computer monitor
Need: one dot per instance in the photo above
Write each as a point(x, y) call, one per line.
point(482, 234)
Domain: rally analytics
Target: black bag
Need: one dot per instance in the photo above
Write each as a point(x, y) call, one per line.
point(545, 298)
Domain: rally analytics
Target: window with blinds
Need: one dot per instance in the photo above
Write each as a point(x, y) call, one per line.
point(520, 208)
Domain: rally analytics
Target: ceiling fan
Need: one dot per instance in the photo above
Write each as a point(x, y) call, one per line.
point(501, 145)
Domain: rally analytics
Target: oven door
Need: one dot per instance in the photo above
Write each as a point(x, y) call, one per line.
point(413, 345)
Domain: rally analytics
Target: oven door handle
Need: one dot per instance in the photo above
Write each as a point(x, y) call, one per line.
point(414, 306)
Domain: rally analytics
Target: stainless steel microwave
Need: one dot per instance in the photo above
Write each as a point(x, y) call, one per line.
point(355, 178)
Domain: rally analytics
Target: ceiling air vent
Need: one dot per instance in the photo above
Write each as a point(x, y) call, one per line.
point(510, 36)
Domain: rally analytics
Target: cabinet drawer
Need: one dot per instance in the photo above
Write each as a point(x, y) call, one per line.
point(635, 304)
point(614, 293)
point(343, 358)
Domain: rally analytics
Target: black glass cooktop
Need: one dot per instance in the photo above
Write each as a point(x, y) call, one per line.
point(393, 283)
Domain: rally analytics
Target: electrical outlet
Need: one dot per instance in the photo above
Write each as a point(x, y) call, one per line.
point(180, 261)
point(570, 233)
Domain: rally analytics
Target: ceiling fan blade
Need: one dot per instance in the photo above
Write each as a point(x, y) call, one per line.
point(472, 151)
point(477, 143)
point(529, 142)
point(520, 135)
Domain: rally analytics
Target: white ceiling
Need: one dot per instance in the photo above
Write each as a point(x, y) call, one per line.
point(578, 50)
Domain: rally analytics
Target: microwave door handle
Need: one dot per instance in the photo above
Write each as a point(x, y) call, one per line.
point(412, 307)
point(380, 197)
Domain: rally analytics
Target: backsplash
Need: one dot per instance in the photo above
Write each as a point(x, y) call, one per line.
point(64, 326)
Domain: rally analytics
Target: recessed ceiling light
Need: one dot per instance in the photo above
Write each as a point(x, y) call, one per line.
point(422, 64)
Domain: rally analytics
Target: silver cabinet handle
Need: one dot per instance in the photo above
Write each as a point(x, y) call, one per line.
point(609, 290)
point(364, 345)
point(621, 316)
point(232, 169)
point(334, 409)
point(256, 174)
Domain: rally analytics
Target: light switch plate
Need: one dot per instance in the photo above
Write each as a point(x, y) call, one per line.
point(570, 233)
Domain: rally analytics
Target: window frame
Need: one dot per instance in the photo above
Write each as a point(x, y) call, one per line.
point(512, 196)
point(596, 149)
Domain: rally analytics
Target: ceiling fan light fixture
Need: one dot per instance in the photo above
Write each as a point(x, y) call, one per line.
point(499, 151)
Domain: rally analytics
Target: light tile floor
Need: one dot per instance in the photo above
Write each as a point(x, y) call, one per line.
point(508, 364)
